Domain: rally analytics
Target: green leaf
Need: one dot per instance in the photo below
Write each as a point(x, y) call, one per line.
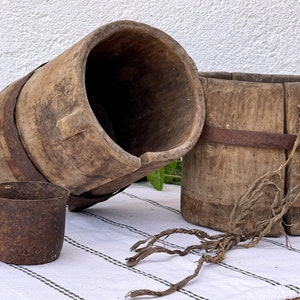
point(171, 173)
point(171, 167)
point(156, 178)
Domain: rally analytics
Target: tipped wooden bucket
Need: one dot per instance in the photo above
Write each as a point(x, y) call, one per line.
point(120, 103)
point(248, 119)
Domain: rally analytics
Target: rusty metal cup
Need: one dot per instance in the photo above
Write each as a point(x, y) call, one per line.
point(32, 216)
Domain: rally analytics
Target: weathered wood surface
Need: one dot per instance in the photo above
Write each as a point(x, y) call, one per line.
point(215, 175)
point(120, 103)
point(292, 96)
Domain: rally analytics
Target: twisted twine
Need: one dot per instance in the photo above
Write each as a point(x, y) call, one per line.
point(216, 246)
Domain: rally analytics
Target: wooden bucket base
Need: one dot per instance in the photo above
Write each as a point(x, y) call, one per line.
point(217, 173)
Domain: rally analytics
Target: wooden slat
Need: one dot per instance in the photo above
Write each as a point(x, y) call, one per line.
point(215, 175)
point(292, 96)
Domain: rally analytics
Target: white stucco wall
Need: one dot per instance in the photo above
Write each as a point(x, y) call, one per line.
point(260, 36)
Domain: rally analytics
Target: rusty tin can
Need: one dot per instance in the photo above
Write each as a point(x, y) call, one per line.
point(32, 218)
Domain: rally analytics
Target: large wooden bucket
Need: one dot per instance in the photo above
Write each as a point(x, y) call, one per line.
point(248, 119)
point(120, 103)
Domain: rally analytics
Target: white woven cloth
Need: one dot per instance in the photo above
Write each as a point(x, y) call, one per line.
point(92, 262)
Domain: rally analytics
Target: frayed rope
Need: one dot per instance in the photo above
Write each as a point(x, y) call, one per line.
point(214, 247)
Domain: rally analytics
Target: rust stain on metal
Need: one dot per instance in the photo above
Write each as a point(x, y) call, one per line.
point(248, 138)
point(16, 156)
point(32, 218)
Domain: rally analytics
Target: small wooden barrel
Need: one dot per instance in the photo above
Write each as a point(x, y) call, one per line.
point(233, 150)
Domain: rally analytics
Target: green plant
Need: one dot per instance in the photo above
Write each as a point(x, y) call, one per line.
point(170, 173)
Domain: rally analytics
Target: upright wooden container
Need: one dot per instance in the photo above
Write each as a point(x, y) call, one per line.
point(233, 149)
point(292, 111)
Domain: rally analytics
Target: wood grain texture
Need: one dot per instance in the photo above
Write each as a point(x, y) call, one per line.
point(120, 103)
point(215, 175)
point(292, 97)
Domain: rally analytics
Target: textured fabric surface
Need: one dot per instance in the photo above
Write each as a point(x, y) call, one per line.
point(92, 262)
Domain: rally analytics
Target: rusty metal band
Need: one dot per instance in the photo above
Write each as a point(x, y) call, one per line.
point(78, 203)
point(18, 160)
point(248, 138)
